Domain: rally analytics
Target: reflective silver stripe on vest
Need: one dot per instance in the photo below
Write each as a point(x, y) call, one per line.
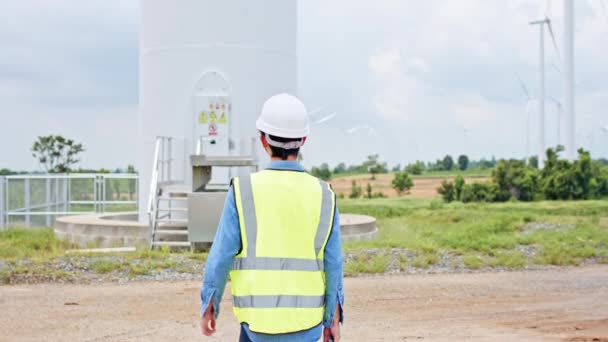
point(248, 205)
point(277, 264)
point(326, 217)
point(284, 301)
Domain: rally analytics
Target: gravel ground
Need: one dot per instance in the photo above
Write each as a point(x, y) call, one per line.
point(565, 304)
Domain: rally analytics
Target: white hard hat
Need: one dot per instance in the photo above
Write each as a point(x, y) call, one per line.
point(284, 116)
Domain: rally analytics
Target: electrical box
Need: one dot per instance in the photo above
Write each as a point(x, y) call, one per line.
point(213, 115)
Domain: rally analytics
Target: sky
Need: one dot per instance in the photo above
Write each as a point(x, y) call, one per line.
point(408, 79)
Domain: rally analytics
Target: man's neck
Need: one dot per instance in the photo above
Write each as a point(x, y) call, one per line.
point(290, 158)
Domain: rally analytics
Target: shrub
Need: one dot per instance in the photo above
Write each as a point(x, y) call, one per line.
point(515, 179)
point(458, 185)
point(447, 191)
point(355, 190)
point(402, 182)
point(479, 192)
point(369, 190)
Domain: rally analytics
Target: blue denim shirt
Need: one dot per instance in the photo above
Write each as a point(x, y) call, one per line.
point(226, 245)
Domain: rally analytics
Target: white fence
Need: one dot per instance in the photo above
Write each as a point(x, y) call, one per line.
point(36, 200)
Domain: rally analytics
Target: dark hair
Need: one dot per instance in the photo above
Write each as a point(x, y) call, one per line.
point(282, 153)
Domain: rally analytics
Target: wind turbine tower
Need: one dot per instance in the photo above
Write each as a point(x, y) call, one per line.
point(541, 95)
point(569, 78)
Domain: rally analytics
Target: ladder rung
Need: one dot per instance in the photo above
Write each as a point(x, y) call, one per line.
point(172, 220)
point(164, 198)
point(171, 243)
point(171, 232)
point(173, 209)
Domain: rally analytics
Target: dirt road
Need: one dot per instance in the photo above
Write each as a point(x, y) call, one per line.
point(556, 305)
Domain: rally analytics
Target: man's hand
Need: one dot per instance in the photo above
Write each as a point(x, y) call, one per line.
point(333, 333)
point(208, 321)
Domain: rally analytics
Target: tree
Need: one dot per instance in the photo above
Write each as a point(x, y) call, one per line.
point(373, 166)
point(463, 162)
point(355, 190)
point(402, 182)
point(322, 172)
point(56, 153)
point(416, 168)
point(340, 168)
point(533, 162)
point(396, 168)
point(448, 163)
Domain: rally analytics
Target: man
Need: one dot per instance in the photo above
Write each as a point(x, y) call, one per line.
point(279, 238)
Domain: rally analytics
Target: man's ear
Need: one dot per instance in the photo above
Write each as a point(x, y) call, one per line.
point(263, 141)
point(303, 141)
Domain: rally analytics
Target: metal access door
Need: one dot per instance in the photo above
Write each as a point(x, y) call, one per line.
point(212, 131)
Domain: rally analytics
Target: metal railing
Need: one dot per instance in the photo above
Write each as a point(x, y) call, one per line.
point(37, 200)
point(162, 174)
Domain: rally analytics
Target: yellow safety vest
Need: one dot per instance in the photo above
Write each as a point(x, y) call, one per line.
point(278, 281)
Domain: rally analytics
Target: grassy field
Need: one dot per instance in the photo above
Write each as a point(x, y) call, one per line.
point(414, 234)
point(506, 235)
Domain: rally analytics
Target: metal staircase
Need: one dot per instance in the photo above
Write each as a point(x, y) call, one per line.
point(168, 202)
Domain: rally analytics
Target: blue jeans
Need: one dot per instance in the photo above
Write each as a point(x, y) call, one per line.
point(244, 337)
point(311, 335)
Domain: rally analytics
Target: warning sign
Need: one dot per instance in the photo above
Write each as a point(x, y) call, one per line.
point(223, 118)
point(203, 118)
point(213, 117)
point(212, 129)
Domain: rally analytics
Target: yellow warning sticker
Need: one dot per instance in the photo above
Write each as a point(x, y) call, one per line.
point(223, 118)
point(213, 117)
point(203, 118)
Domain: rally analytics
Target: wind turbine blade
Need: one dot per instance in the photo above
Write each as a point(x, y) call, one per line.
point(328, 117)
point(523, 86)
point(559, 57)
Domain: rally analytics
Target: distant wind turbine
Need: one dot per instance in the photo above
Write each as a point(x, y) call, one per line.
point(528, 100)
point(541, 98)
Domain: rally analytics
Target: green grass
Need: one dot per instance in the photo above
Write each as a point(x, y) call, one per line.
point(425, 260)
point(366, 263)
point(30, 243)
point(509, 260)
point(106, 266)
point(472, 261)
point(492, 231)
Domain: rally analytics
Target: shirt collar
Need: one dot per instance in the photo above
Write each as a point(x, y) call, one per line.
point(285, 165)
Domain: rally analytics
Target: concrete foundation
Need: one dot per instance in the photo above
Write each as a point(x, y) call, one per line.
point(103, 230)
point(123, 230)
point(357, 227)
